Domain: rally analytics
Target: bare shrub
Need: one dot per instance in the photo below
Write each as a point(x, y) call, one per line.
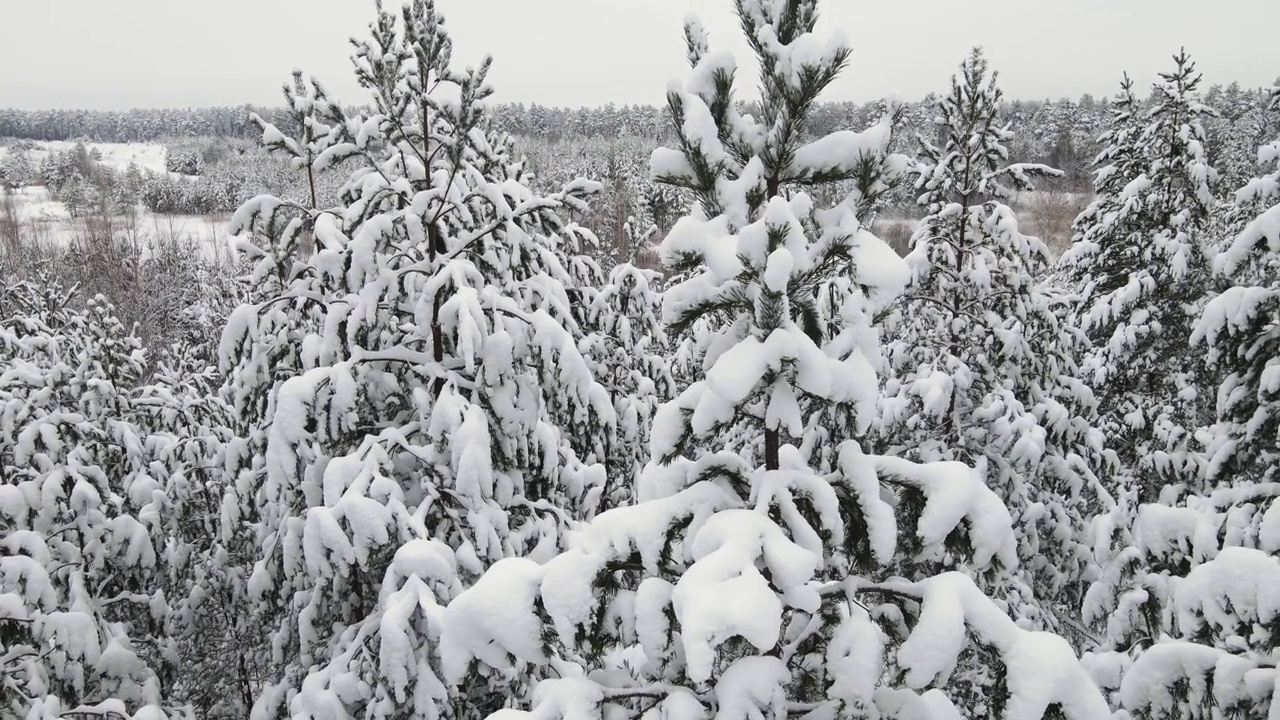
point(10, 227)
point(1049, 215)
point(163, 284)
point(896, 232)
point(647, 258)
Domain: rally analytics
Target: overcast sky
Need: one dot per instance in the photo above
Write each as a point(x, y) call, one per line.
point(161, 53)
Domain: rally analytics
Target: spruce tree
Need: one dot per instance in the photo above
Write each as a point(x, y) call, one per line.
point(983, 370)
point(411, 401)
point(1239, 327)
point(744, 582)
point(1116, 166)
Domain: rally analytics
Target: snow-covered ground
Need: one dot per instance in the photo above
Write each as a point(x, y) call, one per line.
point(46, 221)
point(117, 156)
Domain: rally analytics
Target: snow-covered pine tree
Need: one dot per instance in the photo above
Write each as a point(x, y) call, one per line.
point(413, 403)
point(313, 123)
point(1245, 123)
point(17, 170)
point(628, 350)
point(1191, 603)
point(867, 176)
point(1139, 257)
point(1188, 601)
point(83, 552)
point(1240, 328)
point(275, 242)
point(1117, 165)
point(662, 205)
point(616, 208)
point(983, 370)
point(747, 584)
point(307, 106)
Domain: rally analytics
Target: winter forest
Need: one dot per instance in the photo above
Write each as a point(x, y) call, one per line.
point(749, 407)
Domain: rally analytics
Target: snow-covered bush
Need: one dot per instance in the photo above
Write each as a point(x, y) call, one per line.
point(1188, 600)
point(83, 509)
point(628, 350)
point(745, 583)
point(17, 169)
point(183, 161)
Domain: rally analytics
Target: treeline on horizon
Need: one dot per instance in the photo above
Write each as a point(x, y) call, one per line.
point(1062, 133)
point(532, 119)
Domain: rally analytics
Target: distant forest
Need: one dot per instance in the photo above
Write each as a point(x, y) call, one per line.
point(1061, 133)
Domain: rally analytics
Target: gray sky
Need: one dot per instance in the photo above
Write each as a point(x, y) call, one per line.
point(127, 53)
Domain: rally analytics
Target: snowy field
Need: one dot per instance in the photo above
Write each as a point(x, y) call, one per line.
point(46, 220)
point(117, 156)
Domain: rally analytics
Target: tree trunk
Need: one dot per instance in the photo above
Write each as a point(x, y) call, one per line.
point(772, 440)
point(437, 333)
point(771, 444)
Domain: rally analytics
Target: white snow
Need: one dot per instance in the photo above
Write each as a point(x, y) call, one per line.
point(493, 620)
point(117, 156)
point(842, 151)
point(47, 220)
point(777, 271)
point(954, 493)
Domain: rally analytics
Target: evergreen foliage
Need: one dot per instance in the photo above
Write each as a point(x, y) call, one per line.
point(461, 452)
point(1188, 579)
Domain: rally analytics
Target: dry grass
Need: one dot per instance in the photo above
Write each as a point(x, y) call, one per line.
point(11, 230)
point(647, 258)
point(1046, 215)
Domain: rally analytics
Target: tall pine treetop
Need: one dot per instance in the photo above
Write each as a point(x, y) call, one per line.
point(754, 252)
point(744, 583)
point(413, 400)
point(1116, 162)
point(983, 371)
point(972, 163)
point(762, 155)
point(1140, 261)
